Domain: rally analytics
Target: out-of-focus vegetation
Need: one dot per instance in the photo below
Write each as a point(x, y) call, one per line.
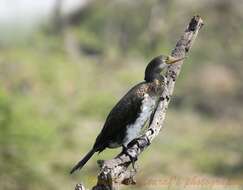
point(58, 85)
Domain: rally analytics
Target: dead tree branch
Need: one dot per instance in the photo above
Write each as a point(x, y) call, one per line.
point(115, 171)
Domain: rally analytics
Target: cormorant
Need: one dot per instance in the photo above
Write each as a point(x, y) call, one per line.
point(131, 113)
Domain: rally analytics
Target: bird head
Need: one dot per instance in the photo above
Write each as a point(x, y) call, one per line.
point(156, 66)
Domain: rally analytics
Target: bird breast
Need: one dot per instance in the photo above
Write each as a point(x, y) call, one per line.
point(147, 107)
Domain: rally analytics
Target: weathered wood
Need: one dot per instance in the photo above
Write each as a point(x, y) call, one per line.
point(117, 171)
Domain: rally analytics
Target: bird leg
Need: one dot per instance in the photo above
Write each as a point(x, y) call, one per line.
point(132, 158)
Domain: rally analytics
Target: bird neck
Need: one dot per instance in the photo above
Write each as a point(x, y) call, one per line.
point(152, 76)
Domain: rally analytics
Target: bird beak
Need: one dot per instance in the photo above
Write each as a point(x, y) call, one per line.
point(171, 60)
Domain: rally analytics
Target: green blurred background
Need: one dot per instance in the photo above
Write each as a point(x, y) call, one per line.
point(65, 63)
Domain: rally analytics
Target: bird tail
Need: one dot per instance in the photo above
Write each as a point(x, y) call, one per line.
point(82, 162)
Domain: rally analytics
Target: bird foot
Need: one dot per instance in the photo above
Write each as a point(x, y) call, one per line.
point(132, 158)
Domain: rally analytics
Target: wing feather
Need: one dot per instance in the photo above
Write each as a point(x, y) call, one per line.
point(124, 112)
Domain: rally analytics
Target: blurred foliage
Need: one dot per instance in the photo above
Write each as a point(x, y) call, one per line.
point(53, 101)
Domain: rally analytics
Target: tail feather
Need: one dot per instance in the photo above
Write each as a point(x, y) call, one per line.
point(82, 162)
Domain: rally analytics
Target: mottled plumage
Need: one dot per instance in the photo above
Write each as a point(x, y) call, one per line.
point(129, 115)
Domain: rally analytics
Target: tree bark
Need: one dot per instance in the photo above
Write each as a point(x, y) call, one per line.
point(117, 171)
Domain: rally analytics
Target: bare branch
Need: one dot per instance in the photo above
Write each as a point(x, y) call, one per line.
point(115, 171)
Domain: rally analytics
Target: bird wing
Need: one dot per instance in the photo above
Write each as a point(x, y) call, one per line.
point(124, 113)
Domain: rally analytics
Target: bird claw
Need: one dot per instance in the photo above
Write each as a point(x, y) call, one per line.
point(132, 158)
point(133, 162)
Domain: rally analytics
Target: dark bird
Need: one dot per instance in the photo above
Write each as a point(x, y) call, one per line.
point(130, 114)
